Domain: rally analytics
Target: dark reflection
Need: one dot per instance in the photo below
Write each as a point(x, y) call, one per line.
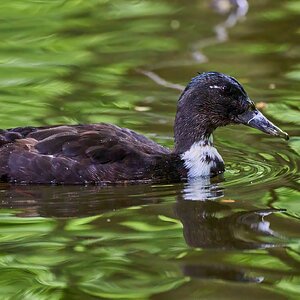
point(209, 224)
point(219, 272)
point(213, 224)
point(208, 221)
point(74, 201)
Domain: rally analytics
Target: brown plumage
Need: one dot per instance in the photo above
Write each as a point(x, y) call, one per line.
point(78, 154)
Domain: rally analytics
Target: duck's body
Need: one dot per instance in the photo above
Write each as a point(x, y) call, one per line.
point(104, 153)
point(78, 154)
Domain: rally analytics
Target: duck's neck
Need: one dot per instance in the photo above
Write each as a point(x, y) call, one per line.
point(190, 127)
point(194, 144)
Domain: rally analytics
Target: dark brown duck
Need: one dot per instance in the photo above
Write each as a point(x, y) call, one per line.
point(104, 153)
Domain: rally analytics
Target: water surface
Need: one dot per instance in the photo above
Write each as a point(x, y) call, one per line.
point(67, 62)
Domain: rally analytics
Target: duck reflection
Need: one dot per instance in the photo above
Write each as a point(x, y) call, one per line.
point(209, 220)
point(219, 272)
point(220, 224)
point(73, 201)
point(202, 189)
point(209, 223)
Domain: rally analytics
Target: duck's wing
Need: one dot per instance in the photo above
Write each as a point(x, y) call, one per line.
point(76, 154)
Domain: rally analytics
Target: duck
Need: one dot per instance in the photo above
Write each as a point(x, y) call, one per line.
point(107, 154)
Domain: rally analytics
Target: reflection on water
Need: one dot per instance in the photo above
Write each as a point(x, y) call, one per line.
point(211, 224)
point(116, 227)
point(68, 62)
point(75, 201)
point(201, 189)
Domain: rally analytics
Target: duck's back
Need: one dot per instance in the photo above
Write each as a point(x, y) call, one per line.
point(95, 153)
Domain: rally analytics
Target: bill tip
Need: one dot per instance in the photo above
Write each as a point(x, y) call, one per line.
point(286, 137)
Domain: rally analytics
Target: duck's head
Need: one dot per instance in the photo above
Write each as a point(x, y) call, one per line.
point(212, 100)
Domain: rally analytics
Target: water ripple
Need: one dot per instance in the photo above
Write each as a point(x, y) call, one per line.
point(262, 168)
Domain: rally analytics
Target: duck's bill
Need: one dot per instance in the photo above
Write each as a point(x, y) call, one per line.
point(257, 120)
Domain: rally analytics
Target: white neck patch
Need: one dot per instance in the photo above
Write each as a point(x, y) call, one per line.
point(200, 159)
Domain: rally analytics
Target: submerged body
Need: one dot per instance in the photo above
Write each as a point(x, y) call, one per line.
point(104, 153)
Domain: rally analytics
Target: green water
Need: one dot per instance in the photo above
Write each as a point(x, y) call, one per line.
point(75, 61)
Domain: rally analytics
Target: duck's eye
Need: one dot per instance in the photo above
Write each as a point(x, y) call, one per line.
point(228, 90)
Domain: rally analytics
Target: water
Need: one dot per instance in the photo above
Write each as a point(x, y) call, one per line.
point(85, 61)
